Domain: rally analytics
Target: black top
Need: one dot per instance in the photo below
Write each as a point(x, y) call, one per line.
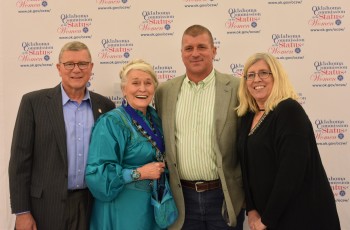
point(283, 175)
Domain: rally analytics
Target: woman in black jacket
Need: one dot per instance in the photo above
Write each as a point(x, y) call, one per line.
point(285, 183)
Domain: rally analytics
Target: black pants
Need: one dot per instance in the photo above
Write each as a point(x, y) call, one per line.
point(78, 209)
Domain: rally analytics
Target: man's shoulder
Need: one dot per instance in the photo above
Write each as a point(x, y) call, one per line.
point(175, 79)
point(101, 99)
point(171, 82)
point(39, 92)
point(227, 77)
point(97, 95)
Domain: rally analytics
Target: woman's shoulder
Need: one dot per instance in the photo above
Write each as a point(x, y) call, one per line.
point(117, 115)
point(116, 112)
point(151, 110)
point(291, 110)
point(289, 105)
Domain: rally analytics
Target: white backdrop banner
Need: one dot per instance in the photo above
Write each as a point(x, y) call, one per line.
point(309, 37)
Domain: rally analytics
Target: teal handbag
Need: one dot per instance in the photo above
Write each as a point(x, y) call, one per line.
point(165, 210)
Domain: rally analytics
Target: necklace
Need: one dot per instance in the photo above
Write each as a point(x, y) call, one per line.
point(153, 134)
point(159, 154)
point(262, 118)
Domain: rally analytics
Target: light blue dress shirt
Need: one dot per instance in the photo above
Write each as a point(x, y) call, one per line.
point(79, 121)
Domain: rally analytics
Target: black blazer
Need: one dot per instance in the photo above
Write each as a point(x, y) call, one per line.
point(38, 171)
point(283, 175)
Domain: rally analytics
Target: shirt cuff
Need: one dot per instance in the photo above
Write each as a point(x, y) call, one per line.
point(127, 175)
point(22, 213)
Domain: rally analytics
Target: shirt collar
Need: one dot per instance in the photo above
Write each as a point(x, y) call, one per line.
point(205, 81)
point(66, 99)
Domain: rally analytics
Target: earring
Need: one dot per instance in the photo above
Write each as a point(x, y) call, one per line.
point(124, 102)
point(153, 104)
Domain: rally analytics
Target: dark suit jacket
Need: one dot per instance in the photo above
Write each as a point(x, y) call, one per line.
point(225, 125)
point(38, 171)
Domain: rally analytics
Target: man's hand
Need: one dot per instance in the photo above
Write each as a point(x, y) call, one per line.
point(25, 221)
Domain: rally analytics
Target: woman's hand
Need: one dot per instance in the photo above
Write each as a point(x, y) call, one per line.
point(259, 225)
point(151, 170)
point(254, 221)
point(253, 217)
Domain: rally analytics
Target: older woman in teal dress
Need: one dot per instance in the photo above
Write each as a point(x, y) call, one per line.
point(122, 161)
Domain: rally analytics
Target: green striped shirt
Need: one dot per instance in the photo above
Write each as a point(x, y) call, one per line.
point(194, 130)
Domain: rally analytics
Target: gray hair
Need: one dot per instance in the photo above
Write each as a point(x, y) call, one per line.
point(74, 46)
point(137, 64)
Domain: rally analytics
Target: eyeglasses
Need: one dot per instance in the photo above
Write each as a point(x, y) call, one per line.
point(71, 65)
point(261, 74)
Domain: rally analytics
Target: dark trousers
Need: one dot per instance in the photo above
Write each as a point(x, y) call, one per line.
point(203, 211)
point(78, 210)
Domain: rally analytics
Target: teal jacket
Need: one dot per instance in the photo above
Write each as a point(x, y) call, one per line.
point(116, 148)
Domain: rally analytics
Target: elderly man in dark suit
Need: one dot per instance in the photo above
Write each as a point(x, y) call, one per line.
point(50, 146)
point(200, 131)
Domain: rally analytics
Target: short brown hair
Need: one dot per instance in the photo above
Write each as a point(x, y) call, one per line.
point(196, 30)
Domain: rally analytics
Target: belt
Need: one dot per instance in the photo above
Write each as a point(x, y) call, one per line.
point(78, 192)
point(201, 186)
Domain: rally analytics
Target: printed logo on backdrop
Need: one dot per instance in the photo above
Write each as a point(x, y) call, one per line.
point(32, 6)
point(340, 187)
point(330, 132)
point(289, 2)
point(329, 74)
point(217, 44)
point(115, 51)
point(243, 21)
point(116, 99)
point(74, 26)
point(89, 83)
point(237, 69)
point(287, 46)
point(200, 3)
point(301, 99)
point(35, 54)
point(165, 72)
point(113, 4)
point(156, 23)
point(327, 19)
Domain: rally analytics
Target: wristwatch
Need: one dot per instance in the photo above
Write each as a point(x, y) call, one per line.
point(135, 175)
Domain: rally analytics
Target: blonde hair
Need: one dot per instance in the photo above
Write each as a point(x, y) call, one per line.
point(137, 64)
point(282, 88)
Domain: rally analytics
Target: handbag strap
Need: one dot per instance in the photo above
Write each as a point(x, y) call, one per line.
point(153, 134)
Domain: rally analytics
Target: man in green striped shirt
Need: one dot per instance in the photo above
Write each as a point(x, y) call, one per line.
point(200, 130)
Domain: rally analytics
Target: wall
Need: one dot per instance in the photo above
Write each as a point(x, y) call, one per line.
point(309, 37)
